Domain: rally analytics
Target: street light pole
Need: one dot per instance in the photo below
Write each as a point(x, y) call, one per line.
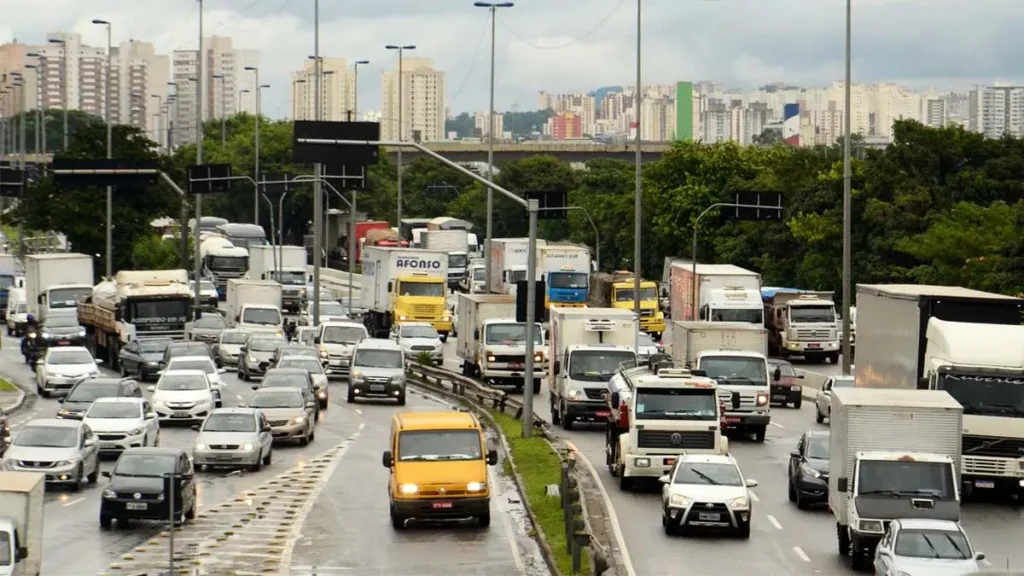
point(318, 217)
point(847, 177)
point(637, 188)
point(110, 148)
point(223, 111)
point(401, 128)
point(256, 169)
point(355, 88)
point(200, 99)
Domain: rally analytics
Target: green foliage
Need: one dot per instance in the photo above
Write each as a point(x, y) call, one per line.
point(464, 125)
point(154, 253)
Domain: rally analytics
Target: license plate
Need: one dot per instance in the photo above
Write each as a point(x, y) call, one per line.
point(441, 505)
point(136, 505)
point(984, 484)
point(515, 365)
point(795, 388)
point(63, 342)
point(814, 345)
point(376, 387)
point(779, 397)
point(178, 414)
point(732, 419)
point(601, 414)
point(108, 444)
point(709, 517)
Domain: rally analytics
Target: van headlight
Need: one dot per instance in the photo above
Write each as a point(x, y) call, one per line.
point(476, 487)
point(574, 393)
point(323, 352)
point(248, 448)
point(408, 489)
point(762, 399)
point(200, 447)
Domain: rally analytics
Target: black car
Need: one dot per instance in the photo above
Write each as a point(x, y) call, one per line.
point(292, 378)
point(62, 330)
point(256, 354)
point(808, 470)
point(137, 487)
point(786, 387)
point(176, 349)
point(80, 398)
point(142, 357)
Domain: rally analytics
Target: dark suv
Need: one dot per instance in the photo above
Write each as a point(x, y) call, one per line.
point(80, 398)
point(137, 487)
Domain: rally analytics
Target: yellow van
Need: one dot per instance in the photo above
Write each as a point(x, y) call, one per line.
point(438, 463)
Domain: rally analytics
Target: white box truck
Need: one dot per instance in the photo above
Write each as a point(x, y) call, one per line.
point(405, 285)
point(492, 345)
point(21, 523)
point(892, 454)
point(254, 305)
point(725, 293)
point(291, 260)
point(455, 243)
point(56, 281)
point(586, 347)
point(508, 263)
point(734, 354)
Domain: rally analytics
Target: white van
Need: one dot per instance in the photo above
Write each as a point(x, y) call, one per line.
point(17, 311)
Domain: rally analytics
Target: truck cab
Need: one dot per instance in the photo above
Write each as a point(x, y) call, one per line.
point(223, 261)
point(616, 291)
point(731, 304)
point(255, 305)
point(565, 270)
point(743, 385)
point(501, 352)
point(21, 523)
point(419, 297)
point(801, 323)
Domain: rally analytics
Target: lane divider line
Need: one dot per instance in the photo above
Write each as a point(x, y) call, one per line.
point(73, 502)
point(776, 424)
point(774, 522)
point(800, 552)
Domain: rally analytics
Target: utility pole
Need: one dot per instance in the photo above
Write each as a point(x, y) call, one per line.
point(637, 188)
point(256, 170)
point(847, 184)
point(401, 127)
point(110, 148)
point(318, 192)
point(200, 98)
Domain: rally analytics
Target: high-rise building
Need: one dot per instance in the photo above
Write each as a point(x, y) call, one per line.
point(935, 112)
point(423, 102)
point(482, 123)
point(565, 126)
point(138, 73)
point(684, 111)
point(220, 95)
point(337, 89)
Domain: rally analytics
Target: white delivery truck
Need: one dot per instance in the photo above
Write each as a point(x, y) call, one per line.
point(456, 244)
point(508, 263)
point(733, 353)
point(492, 345)
point(21, 523)
point(801, 323)
point(56, 281)
point(255, 305)
point(586, 347)
point(405, 285)
point(725, 293)
point(892, 454)
point(291, 261)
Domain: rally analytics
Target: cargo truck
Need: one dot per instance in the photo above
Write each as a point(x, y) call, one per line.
point(264, 263)
point(733, 353)
point(408, 225)
point(893, 454)
point(362, 228)
point(56, 282)
point(405, 285)
point(136, 304)
point(454, 243)
point(21, 523)
point(492, 345)
point(8, 279)
point(725, 293)
point(255, 305)
point(953, 339)
point(222, 261)
point(801, 323)
point(476, 277)
point(586, 347)
point(508, 263)
point(565, 270)
point(616, 291)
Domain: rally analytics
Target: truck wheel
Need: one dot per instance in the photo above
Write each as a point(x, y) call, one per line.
point(536, 385)
point(834, 358)
point(444, 337)
point(858, 560)
point(843, 540)
point(555, 418)
point(625, 482)
point(566, 421)
point(760, 433)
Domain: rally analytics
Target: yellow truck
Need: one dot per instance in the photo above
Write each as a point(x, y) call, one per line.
point(616, 291)
point(405, 285)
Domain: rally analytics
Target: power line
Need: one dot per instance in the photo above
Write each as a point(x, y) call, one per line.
point(600, 24)
point(476, 54)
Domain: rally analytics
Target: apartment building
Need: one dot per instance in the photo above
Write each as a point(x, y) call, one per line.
point(225, 80)
point(481, 121)
point(422, 100)
point(337, 91)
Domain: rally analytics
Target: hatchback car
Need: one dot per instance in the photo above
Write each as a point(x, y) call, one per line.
point(256, 353)
point(136, 487)
point(65, 450)
point(823, 401)
point(292, 378)
point(925, 546)
point(378, 371)
point(316, 373)
point(234, 437)
point(418, 338)
point(61, 368)
point(785, 384)
point(142, 358)
point(62, 330)
point(286, 350)
point(182, 395)
point(228, 347)
point(648, 347)
point(176, 349)
point(808, 470)
point(206, 365)
point(289, 413)
point(80, 398)
point(123, 423)
point(206, 329)
point(706, 491)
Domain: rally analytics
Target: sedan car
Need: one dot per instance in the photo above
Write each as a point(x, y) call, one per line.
point(785, 385)
point(823, 401)
point(287, 350)
point(228, 347)
point(316, 373)
point(182, 395)
point(123, 423)
point(234, 437)
point(206, 328)
point(208, 295)
point(61, 368)
point(176, 349)
point(293, 378)
point(62, 330)
point(808, 470)
point(142, 357)
point(706, 491)
point(289, 414)
point(648, 347)
point(136, 487)
point(305, 335)
point(256, 354)
point(80, 398)
point(206, 365)
point(417, 338)
point(330, 311)
point(65, 450)
point(924, 546)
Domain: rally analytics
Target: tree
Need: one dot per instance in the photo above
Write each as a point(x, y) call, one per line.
point(155, 253)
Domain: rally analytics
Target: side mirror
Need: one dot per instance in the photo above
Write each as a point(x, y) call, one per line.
point(979, 556)
point(117, 315)
point(794, 454)
point(751, 483)
point(800, 376)
point(199, 313)
point(492, 457)
point(922, 383)
point(558, 367)
point(387, 459)
point(842, 484)
point(105, 473)
point(151, 388)
point(150, 415)
point(90, 441)
point(664, 479)
point(266, 428)
point(777, 375)
point(390, 286)
point(316, 339)
point(21, 553)
point(195, 427)
point(255, 386)
point(61, 400)
point(615, 400)
point(476, 334)
point(98, 361)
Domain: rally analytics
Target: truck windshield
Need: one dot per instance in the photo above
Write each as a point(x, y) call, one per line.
point(812, 314)
point(429, 445)
point(458, 260)
point(290, 277)
point(146, 313)
point(751, 315)
point(568, 280)
point(518, 276)
point(626, 294)
point(67, 297)
point(227, 262)
point(899, 478)
point(247, 241)
point(986, 395)
point(264, 316)
point(735, 370)
point(676, 404)
point(413, 288)
point(597, 365)
point(510, 334)
point(479, 274)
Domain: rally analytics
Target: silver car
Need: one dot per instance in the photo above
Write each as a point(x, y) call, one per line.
point(913, 547)
point(378, 371)
point(228, 347)
point(289, 415)
point(823, 400)
point(66, 451)
point(316, 373)
point(234, 437)
point(206, 329)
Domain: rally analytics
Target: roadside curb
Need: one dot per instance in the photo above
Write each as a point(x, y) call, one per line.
point(13, 407)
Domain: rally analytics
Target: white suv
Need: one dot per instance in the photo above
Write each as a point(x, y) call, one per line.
point(706, 491)
point(182, 395)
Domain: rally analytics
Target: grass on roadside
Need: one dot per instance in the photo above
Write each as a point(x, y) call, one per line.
point(539, 465)
point(6, 386)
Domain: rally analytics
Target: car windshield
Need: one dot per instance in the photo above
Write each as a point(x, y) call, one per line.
point(844, 382)
point(189, 349)
point(311, 365)
point(427, 445)
point(817, 447)
point(145, 465)
point(284, 380)
point(301, 351)
point(121, 410)
point(708, 473)
point(266, 344)
point(646, 341)
point(89, 391)
point(418, 332)
point(212, 322)
point(61, 321)
point(330, 309)
point(626, 294)
point(180, 382)
point(597, 365)
point(378, 359)
point(68, 357)
point(236, 338)
point(735, 369)
point(277, 399)
point(47, 437)
point(786, 370)
point(944, 544)
point(207, 286)
point(414, 288)
point(205, 365)
point(676, 404)
point(343, 334)
point(509, 334)
point(261, 316)
point(224, 422)
point(153, 346)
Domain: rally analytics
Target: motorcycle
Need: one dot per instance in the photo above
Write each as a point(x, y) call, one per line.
point(30, 349)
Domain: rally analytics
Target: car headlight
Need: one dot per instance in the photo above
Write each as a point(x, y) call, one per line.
point(298, 420)
point(135, 432)
point(321, 394)
point(109, 494)
point(870, 526)
point(574, 393)
point(64, 463)
point(679, 501)
point(252, 359)
point(408, 488)
point(356, 374)
point(248, 447)
point(810, 471)
point(398, 380)
point(762, 399)
point(200, 447)
point(740, 503)
point(476, 487)
point(403, 317)
point(490, 358)
point(63, 412)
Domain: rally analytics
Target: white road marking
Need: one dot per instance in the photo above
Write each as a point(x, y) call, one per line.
point(799, 552)
point(359, 411)
point(774, 522)
point(239, 396)
point(776, 424)
point(362, 425)
point(73, 502)
point(753, 496)
point(510, 531)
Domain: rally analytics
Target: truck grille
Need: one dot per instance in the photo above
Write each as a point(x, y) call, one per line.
point(426, 310)
point(748, 400)
point(647, 312)
point(595, 393)
point(813, 333)
point(669, 439)
point(991, 446)
point(509, 359)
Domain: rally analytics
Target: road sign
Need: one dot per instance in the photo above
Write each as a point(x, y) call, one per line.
point(12, 182)
point(758, 206)
point(351, 156)
point(552, 204)
point(539, 309)
point(209, 178)
point(82, 173)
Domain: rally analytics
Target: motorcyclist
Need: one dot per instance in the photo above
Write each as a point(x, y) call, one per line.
point(32, 341)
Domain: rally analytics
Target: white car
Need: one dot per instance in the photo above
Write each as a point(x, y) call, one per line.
point(823, 401)
point(706, 491)
point(62, 367)
point(913, 547)
point(123, 423)
point(648, 347)
point(65, 450)
point(330, 311)
point(207, 365)
point(207, 292)
point(337, 342)
point(182, 395)
point(417, 338)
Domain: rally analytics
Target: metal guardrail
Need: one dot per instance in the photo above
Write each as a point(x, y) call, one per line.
point(579, 532)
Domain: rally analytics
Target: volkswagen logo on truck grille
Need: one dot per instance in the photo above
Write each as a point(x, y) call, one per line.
point(676, 438)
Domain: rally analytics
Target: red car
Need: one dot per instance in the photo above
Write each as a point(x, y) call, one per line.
point(786, 387)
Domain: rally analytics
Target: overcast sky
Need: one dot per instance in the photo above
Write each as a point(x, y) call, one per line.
point(575, 45)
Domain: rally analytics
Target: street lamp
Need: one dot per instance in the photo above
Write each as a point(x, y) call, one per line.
point(354, 116)
point(493, 7)
point(42, 99)
point(223, 112)
point(256, 170)
point(160, 117)
point(637, 188)
point(401, 52)
point(847, 183)
point(65, 82)
point(110, 146)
